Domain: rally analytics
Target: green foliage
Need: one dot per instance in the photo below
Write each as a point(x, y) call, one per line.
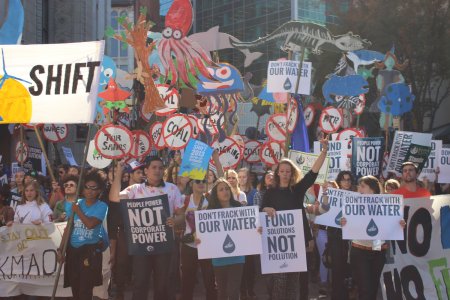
point(143, 10)
point(109, 32)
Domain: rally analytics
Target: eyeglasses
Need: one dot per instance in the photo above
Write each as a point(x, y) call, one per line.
point(200, 181)
point(66, 185)
point(92, 188)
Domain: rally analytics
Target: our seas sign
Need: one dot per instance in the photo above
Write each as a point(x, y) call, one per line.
point(372, 217)
point(401, 145)
point(282, 77)
point(305, 161)
point(339, 154)
point(418, 267)
point(283, 242)
point(367, 156)
point(145, 225)
point(429, 168)
point(195, 160)
point(332, 217)
point(228, 232)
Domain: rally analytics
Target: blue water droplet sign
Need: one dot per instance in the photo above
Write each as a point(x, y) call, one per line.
point(287, 84)
point(337, 220)
point(228, 245)
point(372, 228)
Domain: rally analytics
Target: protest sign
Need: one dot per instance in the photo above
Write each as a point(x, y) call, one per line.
point(29, 261)
point(305, 161)
point(400, 146)
point(230, 152)
point(155, 133)
point(282, 77)
point(57, 84)
point(176, 131)
point(372, 217)
point(251, 151)
point(113, 141)
point(333, 216)
point(69, 156)
point(309, 114)
point(429, 168)
point(194, 123)
point(338, 153)
point(195, 160)
point(367, 156)
point(271, 153)
point(418, 267)
point(22, 151)
point(444, 166)
point(43, 165)
point(14, 169)
point(276, 127)
point(145, 225)
point(141, 144)
point(34, 159)
point(170, 96)
point(330, 120)
point(228, 232)
point(283, 242)
point(55, 132)
point(418, 154)
point(3, 180)
point(292, 114)
point(95, 159)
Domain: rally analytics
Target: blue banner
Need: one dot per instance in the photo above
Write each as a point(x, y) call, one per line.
point(367, 155)
point(195, 160)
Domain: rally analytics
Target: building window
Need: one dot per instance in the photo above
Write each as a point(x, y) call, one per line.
point(120, 52)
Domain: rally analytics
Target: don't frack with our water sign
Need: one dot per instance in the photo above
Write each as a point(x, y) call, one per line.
point(282, 77)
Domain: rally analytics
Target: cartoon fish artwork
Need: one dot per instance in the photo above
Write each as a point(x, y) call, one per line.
point(108, 70)
point(351, 85)
point(214, 40)
point(364, 58)
point(11, 22)
point(297, 34)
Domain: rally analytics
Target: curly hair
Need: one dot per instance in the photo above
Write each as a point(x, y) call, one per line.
point(97, 177)
point(213, 200)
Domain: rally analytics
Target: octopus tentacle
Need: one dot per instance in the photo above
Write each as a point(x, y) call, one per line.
point(196, 56)
point(182, 72)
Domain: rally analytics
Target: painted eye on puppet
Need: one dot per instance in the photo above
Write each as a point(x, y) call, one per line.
point(223, 73)
point(211, 71)
point(167, 32)
point(177, 34)
point(108, 72)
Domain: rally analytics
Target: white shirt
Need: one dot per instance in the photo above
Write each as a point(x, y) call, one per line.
point(189, 216)
point(31, 211)
point(141, 190)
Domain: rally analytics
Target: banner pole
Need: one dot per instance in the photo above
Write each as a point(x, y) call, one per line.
point(22, 144)
point(69, 226)
point(44, 152)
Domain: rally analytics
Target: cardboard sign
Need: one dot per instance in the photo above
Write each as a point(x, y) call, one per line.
point(141, 144)
point(22, 151)
point(194, 164)
point(333, 216)
point(429, 168)
point(171, 98)
point(271, 153)
point(155, 133)
point(230, 152)
point(145, 225)
point(276, 127)
point(55, 132)
point(176, 131)
point(400, 146)
point(305, 161)
point(252, 151)
point(228, 232)
point(113, 141)
point(309, 114)
point(338, 153)
point(95, 159)
point(69, 156)
point(419, 264)
point(194, 123)
point(282, 77)
point(367, 156)
point(283, 242)
point(444, 166)
point(372, 217)
point(330, 120)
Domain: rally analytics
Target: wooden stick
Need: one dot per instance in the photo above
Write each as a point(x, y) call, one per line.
point(49, 166)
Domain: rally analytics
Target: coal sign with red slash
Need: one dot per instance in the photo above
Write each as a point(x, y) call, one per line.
point(171, 98)
point(251, 151)
point(113, 141)
point(176, 131)
point(271, 153)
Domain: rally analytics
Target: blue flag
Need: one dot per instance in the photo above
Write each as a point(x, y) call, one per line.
point(299, 138)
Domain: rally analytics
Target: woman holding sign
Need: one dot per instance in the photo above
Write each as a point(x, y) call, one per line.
point(288, 193)
point(367, 258)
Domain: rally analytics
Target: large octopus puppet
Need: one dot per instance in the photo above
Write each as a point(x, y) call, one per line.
point(175, 46)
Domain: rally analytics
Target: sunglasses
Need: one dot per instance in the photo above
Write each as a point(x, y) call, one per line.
point(92, 188)
point(200, 181)
point(66, 185)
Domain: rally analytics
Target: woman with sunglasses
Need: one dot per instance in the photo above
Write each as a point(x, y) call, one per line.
point(83, 262)
point(63, 208)
point(367, 258)
point(288, 193)
point(189, 258)
point(32, 208)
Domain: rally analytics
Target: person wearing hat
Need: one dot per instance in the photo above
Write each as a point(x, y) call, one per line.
point(410, 187)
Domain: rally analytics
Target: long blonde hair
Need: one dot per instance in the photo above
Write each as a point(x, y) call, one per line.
point(236, 190)
point(296, 174)
point(39, 199)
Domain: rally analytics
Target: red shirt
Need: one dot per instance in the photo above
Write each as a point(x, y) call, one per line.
point(419, 193)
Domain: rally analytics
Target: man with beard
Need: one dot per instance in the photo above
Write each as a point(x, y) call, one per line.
point(410, 188)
